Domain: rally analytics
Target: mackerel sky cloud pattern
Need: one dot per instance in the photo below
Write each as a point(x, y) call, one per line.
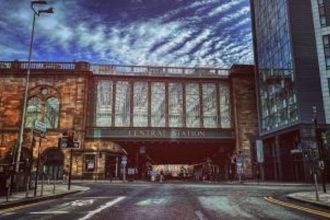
point(212, 33)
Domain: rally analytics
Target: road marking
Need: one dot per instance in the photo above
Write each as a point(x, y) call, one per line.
point(4, 211)
point(301, 208)
point(200, 215)
point(49, 213)
point(107, 205)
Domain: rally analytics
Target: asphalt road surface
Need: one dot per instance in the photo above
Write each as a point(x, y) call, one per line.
point(170, 201)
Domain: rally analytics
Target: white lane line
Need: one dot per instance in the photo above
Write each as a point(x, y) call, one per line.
point(106, 205)
point(49, 212)
point(200, 215)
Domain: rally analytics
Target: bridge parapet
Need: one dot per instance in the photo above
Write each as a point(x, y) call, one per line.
point(107, 69)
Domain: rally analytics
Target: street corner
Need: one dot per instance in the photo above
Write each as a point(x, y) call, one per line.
point(323, 200)
point(324, 213)
point(20, 200)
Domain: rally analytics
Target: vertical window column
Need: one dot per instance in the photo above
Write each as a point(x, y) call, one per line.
point(123, 104)
point(326, 45)
point(210, 118)
point(192, 103)
point(175, 105)
point(322, 13)
point(158, 104)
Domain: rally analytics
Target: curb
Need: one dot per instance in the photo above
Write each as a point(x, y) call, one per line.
point(35, 200)
point(320, 205)
point(321, 213)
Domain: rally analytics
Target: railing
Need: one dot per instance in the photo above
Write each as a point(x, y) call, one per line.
point(103, 69)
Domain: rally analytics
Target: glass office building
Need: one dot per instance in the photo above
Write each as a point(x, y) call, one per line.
point(278, 103)
point(288, 85)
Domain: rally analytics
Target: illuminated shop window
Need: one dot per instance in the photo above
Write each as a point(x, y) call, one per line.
point(192, 105)
point(122, 104)
point(104, 103)
point(210, 115)
point(89, 163)
point(158, 104)
point(140, 117)
point(175, 102)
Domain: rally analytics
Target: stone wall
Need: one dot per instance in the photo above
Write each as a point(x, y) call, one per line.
point(69, 87)
point(244, 111)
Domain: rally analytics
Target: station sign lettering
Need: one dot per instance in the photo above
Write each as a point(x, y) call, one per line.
point(161, 133)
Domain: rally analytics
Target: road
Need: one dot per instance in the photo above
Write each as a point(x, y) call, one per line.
point(163, 201)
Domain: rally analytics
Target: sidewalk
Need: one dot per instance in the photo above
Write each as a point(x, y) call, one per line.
point(234, 182)
point(20, 198)
point(309, 197)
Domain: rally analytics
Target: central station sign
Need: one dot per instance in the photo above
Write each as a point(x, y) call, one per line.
point(160, 133)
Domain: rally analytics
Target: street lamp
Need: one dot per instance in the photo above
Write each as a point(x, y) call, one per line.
point(35, 12)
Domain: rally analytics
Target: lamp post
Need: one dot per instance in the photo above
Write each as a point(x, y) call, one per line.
point(35, 13)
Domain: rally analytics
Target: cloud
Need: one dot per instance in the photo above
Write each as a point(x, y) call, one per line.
point(190, 33)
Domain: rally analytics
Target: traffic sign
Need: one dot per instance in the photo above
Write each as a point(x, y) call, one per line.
point(40, 126)
point(63, 142)
point(76, 144)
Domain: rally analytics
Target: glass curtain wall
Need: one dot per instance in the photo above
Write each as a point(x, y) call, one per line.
point(104, 103)
point(175, 102)
point(192, 105)
point(122, 104)
point(277, 95)
point(158, 104)
point(210, 115)
point(140, 115)
point(140, 104)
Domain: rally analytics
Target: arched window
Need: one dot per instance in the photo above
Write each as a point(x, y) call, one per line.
point(52, 112)
point(33, 112)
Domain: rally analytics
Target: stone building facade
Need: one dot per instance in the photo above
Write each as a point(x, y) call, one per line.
point(63, 96)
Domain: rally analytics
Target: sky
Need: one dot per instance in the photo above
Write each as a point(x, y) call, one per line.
point(188, 33)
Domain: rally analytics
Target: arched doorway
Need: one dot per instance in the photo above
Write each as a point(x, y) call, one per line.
point(53, 160)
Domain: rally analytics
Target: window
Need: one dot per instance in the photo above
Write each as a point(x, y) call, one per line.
point(122, 104)
point(210, 114)
point(104, 103)
point(52, 112)
point(175, 102)
point(322, 13)
point(158, 104)
point(89, 163)
point(326, 45)
point(225, 106)
point(33, 111)
point(192, 105)
point(140, 117)
point(46, 111)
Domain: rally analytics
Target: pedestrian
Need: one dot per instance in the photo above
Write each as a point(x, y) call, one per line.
point(161, 177)
point(64, 177)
